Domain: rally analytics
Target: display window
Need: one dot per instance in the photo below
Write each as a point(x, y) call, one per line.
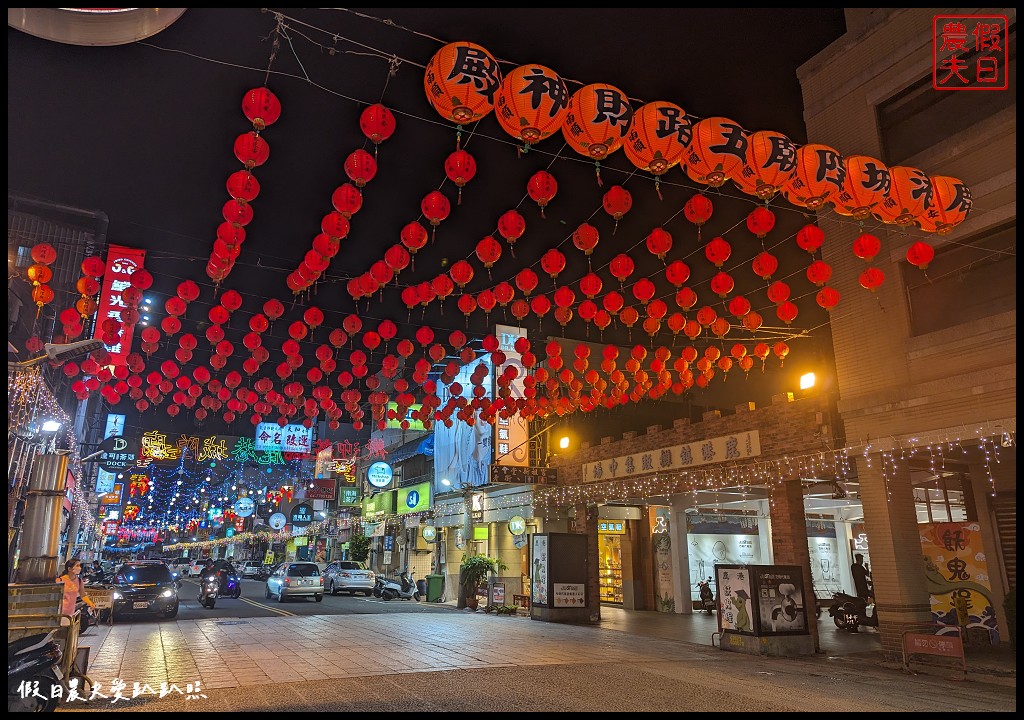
point(610, 567)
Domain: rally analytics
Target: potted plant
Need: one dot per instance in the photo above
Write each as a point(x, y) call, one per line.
point(473, 571)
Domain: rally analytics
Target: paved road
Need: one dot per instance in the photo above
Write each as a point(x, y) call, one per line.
point(253, 603)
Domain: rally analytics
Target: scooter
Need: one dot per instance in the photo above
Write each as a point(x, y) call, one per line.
point(378, 586)
point(707, 598)
point(849, 612)
point(33, 673)
point(405, 590)
point(209, 590)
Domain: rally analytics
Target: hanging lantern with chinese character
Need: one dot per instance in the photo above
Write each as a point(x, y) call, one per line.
point(461, 81)
point(818, 177)
point(262, 107)
point(542, 187)
point(460, 167)
point(596, 122)
point(951, 202)
point(909, 197)
point(865, 184)
point(531, 103)
point(656, 141)
point(769, 164)
point(617, 202)
point(716, 151)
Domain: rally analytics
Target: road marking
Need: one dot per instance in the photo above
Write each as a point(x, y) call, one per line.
point(279, 611)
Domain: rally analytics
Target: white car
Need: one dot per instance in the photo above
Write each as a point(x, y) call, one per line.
point(195, 568)
point(250, 568)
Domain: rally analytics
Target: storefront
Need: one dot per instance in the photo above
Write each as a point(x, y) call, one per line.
point(609, 550)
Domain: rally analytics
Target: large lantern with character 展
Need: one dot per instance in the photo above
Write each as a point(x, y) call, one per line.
point(461, 81)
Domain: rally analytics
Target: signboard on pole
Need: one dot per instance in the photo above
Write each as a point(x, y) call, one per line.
point(122, 263)
point(120, 453)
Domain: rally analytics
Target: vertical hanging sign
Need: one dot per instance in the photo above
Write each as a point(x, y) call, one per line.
point(122, 262)
point(511, 434)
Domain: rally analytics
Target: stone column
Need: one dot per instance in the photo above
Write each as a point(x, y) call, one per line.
point(897, 567)
point(586, 524)
point(681, 580)
point(789, 542)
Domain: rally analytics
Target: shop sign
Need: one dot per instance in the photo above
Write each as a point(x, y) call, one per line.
point(120, 453)
point(349, 496)
point(323, 489)
point(568, 595)
point(277, 521)
point(611, 527)
point(379, 475)
point(415, 498)
point(517, 525)
point(244, 507)
point(428, 533)
point(728, 448)
point(290, 438)
point(301, 515)
point(110, 527)
point(460, 538)
point(524, 475)
point(113, 497)
point(122, 263)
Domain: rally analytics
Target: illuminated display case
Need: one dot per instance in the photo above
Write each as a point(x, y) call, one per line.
point(610, 567)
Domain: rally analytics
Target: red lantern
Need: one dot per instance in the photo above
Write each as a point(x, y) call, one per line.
point(237, 212)
point(564, 297)
point(951, 202)
point(503, 293)
point(717, 251)
point(261, 107)
point(827, 297)
point(45, 254)
point(414, 236)
point(643, 290)
point(760, 221)
point(531, 103)
point(243, 185)
point(297, 330)
point(435, 207)
point(188, 291)
point(442, 286)
point(706, 315)
point(752, 321)
point(722, 284)
point(787, 312)
point(659, 243)
point(866, 247)
point(698, 209)
point(460, 167)
point(621, 267)
point(765, 264)
point(818, 177)
point(809, 238)
point(778, 292)
point(596, 121)
point(769, 164)
point(396, 257)
point(219, 315)
point(552, 262)
point(716, 151)
point(347, 199)
point(467, 304)
point(542, 188)
point(677, 272)
point(629, 316)
point(819, 272)
point(526, 280)
point(486, 300)
point(920, 254)
point(251, 149)
point(864, 185)
point(461, 272)
point(377, 123)
point(719, 328)
point(613, 302)
point(488, 251)
point(460, 82)
point(511, 226)
point(91, 266)
point(617, 202)
point(739, 306)
point(41, 295)
point(590, 285)
point(314, 317)
point(658, 134)
point(360, 167)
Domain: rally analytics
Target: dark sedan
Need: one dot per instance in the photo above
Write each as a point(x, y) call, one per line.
point(145, 588)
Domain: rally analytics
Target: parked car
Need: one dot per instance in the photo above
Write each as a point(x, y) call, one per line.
point(349, 576)
point(195, 568)
point(249, 568)
point(145, 587)
point(295, 579)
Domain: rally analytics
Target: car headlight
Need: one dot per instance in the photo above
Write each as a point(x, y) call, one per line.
point(117, 596)
point(167, 593)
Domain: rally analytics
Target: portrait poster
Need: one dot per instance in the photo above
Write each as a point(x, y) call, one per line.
point(781, 608)
point(539, 580)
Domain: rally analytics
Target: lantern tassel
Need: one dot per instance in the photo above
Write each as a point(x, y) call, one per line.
point(458, 139)
point(433, 232)
point(459, 201)
point(597, 171)
point(657, 187)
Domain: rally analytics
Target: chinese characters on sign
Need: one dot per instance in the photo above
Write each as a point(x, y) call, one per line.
point(969, 52)
point(678, 457)
point(956, 570)
point(122, 262)
point(524, 475)
point(290, 438)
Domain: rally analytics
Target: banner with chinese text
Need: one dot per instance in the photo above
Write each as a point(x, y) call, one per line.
point(122, 262)
point(678, 457)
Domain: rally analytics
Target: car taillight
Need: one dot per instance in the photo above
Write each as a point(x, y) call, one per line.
point(345, 574)
point(287, 581)
point(321, 579)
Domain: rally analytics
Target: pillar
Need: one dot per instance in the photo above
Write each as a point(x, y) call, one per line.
point(789, 542)
point(897, 570)
point(586, 523)
point(681, 580)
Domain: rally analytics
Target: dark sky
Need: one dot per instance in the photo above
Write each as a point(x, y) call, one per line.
point(144, 133)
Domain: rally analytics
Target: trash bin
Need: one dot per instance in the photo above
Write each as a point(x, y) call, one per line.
point(435, 587)
point(421, 587)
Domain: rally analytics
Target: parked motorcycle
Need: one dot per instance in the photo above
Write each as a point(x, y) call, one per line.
point(405, 589)
point(707, 597)
point(849, 612)
point(33, 672)
point(209, 590)
point(378, 586)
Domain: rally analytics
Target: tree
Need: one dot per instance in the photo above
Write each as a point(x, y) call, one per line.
point(359, 548)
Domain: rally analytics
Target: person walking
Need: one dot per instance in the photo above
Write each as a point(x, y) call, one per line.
point(74, 589)
point(861, 577)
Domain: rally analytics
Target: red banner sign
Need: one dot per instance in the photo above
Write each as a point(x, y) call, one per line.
point(323, 489)
point(121, 263)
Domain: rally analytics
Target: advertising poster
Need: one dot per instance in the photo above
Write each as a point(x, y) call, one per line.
point(734, 599)
point(539, 581)
point(823, 548)
point(780, 601)
point(462, 452)
point(512, 434)
point(956, 569)
point(718, 539)
point(569, 595)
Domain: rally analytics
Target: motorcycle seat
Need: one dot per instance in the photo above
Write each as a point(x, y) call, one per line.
point(28, 643)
